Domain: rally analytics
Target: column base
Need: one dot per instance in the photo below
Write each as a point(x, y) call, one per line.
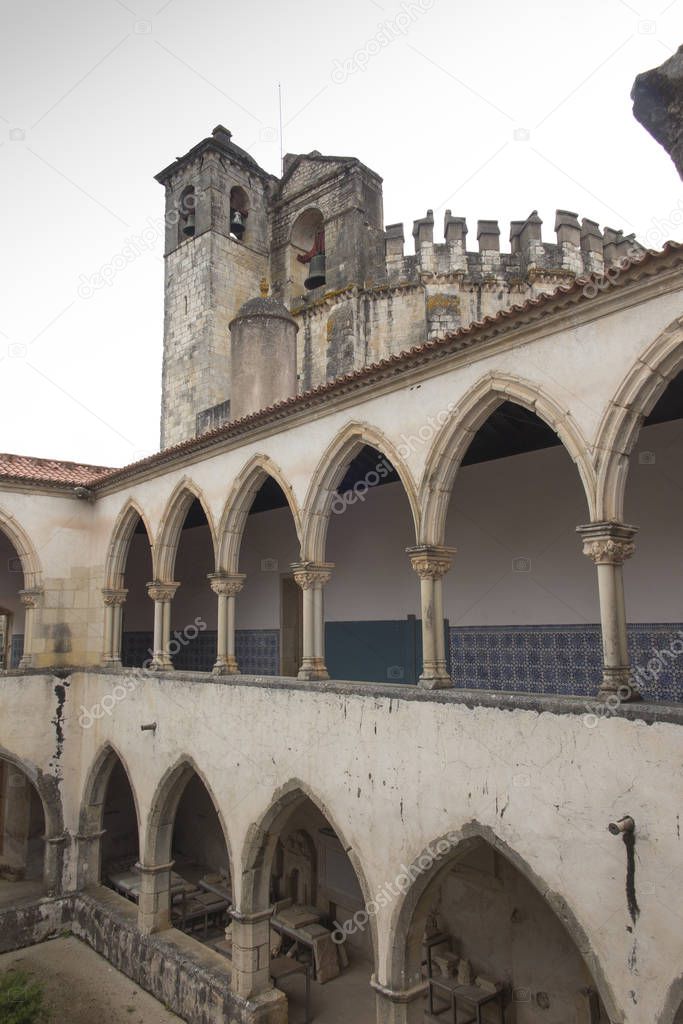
point(226, 666)
point(313, 669)
point(110, 662)
point(618, 682)
point(435, 677)
point(161, 664)
point(25, 662)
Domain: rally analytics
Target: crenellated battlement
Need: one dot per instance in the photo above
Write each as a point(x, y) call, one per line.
point(578, 249)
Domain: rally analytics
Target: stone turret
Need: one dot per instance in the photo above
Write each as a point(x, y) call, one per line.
point(263, 353)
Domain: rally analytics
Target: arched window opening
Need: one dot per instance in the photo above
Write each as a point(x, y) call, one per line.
point(137, 641)
point(120, 842)
point(653, 503)
point(481, 924)
point(239, 211)
point(269, 609)
point(193, 610)
point(372, 602)
point(520, 602)
point(307, 246)
point(11, 608)
point(314, 891)
point(22, 836)
point(186, 214)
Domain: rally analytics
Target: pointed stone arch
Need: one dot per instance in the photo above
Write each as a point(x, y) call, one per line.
point(245, 488)
point(26, 552)
point(330, 472)
point(95, 789)
point(119, 545)
point(465, 420)
point(158, 833)
point(261, 841)
point(91, 813)
point(171, 525)
point(47, 788)
point(400, 970)
point(636, 397)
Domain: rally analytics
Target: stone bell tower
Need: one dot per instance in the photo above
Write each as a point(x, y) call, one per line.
point(216, 252)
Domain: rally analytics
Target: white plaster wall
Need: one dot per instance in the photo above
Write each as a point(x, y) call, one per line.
point(394, 773)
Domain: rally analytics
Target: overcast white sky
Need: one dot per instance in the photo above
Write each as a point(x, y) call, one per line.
point(99, 95)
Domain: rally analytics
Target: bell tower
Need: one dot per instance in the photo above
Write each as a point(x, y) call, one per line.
point(217, 244)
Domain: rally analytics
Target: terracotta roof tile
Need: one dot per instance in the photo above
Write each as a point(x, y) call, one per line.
point(25, 467)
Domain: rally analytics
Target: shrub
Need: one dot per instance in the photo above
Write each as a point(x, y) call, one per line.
point(21, 999)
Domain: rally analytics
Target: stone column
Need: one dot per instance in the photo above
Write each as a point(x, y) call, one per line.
point(88, 858)
point(312, 577)
point(54, 863)
point(609, 544)
point(114, 599)
point(404, 1006)
point(431, 563)
point(227, 586)
point(154, 906)
point(162, 594)
point(251, 952)
point(29, 599)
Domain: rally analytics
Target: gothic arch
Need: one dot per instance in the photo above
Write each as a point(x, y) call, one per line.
point(26, 552)
point(95, 789)
point(158, 834)
point(119, 545)
point(330, 472)
point(259, 849)
point(635, 399)
point(457, 433)
point(47, 788)
point(245, 488)
point(404, 951)
point(171, 525)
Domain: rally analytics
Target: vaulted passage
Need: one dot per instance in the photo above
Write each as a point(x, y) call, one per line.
point(137, 610)
point(22, 836)
point(303, 871)
point(482, 934)
point(11, 608)
point(372, 602)
point(520, 601)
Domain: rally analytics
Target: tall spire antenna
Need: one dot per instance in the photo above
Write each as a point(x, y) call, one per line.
point(279, 99)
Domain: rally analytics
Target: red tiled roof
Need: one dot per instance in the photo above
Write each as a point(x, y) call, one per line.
point(25, 467)
point(49, 471)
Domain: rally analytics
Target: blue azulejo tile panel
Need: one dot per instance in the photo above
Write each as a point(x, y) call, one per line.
point(656, 650)
point(16, 649)
point(258, 651)
point(564, 659)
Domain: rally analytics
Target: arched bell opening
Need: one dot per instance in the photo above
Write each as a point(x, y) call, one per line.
point(239, 211)
point(307, 253)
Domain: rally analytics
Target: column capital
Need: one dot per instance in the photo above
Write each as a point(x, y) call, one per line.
point(312, 574)
point(608, 543)
point(226, 583)
point(30, 597)
point(153, 869)
point(253, 917)
point(431, 561)
point(114, 596)
point(160, 591)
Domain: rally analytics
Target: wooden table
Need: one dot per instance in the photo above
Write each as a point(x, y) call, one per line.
point(475, 998)
point(127, 883)
point(282, 967)
point(201, 906)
